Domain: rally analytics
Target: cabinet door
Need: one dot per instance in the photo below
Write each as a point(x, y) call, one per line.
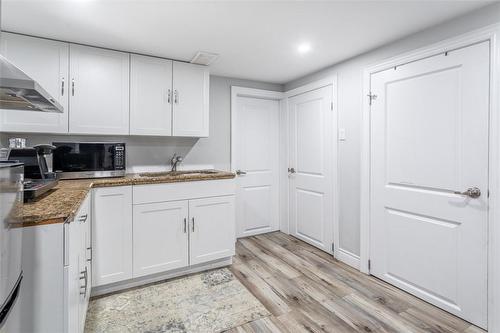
point(46, 61)
point(191, 92)
point(112, 235)
point(160, 237)
point(83, 218)
point(72, 275)
point(99, 91)
point(150, 96)
point(212, 229)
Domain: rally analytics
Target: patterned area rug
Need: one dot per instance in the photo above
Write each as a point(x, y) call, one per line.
point(212, 301)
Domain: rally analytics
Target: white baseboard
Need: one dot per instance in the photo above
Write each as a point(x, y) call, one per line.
point(255, 232)
point(348, 258)
point(131, 283)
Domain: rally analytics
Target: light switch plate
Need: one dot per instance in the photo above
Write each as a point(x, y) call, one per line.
point(341, 134)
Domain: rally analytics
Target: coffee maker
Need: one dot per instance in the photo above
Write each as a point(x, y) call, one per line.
point(37, 177)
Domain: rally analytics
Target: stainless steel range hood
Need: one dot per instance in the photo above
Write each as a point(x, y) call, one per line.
point(20, 92)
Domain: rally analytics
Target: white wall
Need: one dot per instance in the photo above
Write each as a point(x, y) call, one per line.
point(214, 150)
point(350, 99)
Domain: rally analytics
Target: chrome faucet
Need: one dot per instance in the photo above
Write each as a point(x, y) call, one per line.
point(174, 161)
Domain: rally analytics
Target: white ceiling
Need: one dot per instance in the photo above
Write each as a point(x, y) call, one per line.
point(255, 39)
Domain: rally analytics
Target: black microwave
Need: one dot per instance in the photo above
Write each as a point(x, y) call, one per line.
point(73, 160)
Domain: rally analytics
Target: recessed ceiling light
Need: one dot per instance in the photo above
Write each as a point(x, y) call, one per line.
point(303, 48)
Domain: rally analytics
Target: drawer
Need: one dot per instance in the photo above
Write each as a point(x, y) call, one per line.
point(182, 191)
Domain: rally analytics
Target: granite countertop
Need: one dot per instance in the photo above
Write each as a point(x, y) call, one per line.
point(62, 203)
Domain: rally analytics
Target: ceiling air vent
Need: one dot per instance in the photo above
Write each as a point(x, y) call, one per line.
point(204, 58)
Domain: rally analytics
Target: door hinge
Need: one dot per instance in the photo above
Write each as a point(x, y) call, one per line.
point(369, 265)
point(371, 97)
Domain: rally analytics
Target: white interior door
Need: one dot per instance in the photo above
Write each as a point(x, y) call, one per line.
point(429, 138)
point(311, 158)
point(256, 155)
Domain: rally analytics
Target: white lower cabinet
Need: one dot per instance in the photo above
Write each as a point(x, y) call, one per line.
point(77, 267)
point(72, 276)
point(85, 260)
point(160, 237)
point(164, 231)
point(165, 228)
point(212, 233)
point(112, 235)
point(55, 290)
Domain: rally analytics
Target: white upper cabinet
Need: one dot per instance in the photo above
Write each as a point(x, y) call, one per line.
point(46, 61)
point(150, 96)
point(99, 91)
point(190, 98)
point(107, 92)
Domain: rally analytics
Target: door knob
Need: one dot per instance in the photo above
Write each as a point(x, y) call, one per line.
point(472, 192)
point(291, 170)
point(239, 172)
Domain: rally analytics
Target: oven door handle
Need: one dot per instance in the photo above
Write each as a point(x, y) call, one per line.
point(11, 300)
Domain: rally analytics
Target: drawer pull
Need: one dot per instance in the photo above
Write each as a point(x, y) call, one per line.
point(84, 276)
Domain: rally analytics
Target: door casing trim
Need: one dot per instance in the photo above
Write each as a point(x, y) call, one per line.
point(489, 33)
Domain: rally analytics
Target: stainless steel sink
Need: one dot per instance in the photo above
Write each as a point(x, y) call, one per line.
point(177, 173)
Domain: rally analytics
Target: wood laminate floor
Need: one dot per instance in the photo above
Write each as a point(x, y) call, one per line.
point(307, 290)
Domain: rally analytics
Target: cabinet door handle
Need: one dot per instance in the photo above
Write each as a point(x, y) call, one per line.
point(192, 219)
point(176, 96)
point(185, 225)
point(73, 87)
point(85, 278)
point(62, 86)
point(169, 96)
point(90, 250)
point(83, 218)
